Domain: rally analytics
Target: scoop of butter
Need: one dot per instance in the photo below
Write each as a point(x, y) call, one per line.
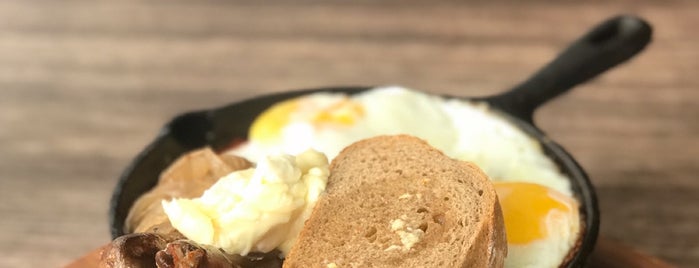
point(257, 209)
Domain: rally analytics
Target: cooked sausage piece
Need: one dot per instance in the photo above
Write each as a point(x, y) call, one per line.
point(183, 253)
point(133, 251)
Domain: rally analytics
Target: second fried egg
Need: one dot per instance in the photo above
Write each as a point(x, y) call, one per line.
point(541, 224)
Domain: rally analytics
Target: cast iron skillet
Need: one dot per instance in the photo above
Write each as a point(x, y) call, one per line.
point(608, 44)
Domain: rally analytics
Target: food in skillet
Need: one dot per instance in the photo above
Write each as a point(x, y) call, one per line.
point(151, 239)
point(541, 216)
point(328, 122)
point(440, 200)
point(396, 201)
point(254, 210)
point(188, 177)
point(464, 131)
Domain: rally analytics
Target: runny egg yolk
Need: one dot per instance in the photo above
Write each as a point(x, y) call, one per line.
point(268, 126)
point(528, 208)
point(344, 112)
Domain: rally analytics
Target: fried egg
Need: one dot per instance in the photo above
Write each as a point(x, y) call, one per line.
point(329, 122)
point(541, 216)
point(541, 224)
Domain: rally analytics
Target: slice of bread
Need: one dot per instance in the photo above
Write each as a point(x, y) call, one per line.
point(395, 201)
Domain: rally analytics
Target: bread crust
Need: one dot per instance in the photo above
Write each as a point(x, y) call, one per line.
point(388, 190)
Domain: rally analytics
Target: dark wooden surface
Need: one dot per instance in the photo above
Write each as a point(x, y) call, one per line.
point(85, 85)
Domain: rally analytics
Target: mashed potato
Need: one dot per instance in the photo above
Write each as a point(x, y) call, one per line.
point(257, 209)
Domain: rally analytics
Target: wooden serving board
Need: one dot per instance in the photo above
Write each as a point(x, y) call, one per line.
point(608, 253)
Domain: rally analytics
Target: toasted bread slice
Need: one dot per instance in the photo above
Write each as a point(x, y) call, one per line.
point(395, 201)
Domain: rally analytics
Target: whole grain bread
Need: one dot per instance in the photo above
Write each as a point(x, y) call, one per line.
point(395, 201)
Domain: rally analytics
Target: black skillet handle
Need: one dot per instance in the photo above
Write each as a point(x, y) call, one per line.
point(605, 46)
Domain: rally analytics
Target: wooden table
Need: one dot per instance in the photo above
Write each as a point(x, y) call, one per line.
point(85, 85)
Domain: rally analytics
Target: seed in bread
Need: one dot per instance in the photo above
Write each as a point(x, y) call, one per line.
point(395, 201)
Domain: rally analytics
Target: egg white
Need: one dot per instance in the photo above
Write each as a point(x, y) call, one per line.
point(461, 129)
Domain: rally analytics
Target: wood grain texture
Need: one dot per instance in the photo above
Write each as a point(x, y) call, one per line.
point(84, 85)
